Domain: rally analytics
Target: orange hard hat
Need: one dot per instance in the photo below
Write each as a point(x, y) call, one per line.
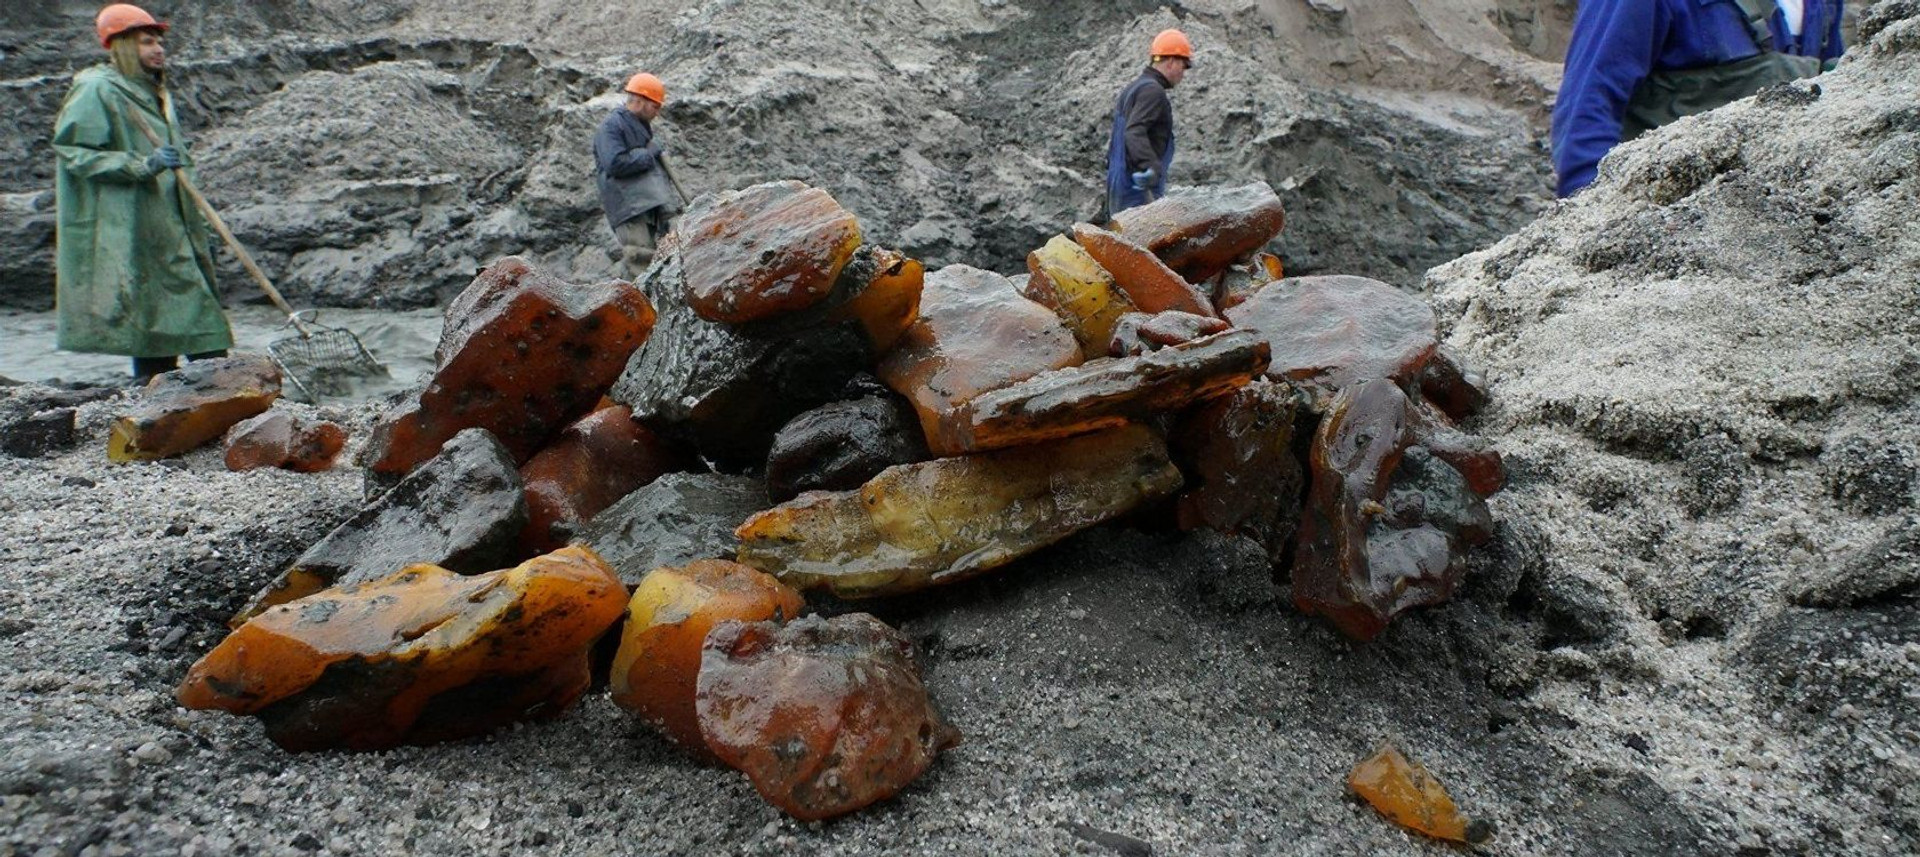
point(121, 17)
point(1172, 43)
point(649, 87)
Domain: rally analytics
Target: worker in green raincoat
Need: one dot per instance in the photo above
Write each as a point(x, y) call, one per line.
point(133, 273)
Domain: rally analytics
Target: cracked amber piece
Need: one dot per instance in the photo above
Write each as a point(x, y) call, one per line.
point(1329, 333)
point(1408, 795)
point(764, 251)
point(1242, 474)
point(1137, 333)
point(1240, 283)
point(1148, 282)
point(1199, 232)
point(421, 656)
point(276, 439)
point(975, 333)
point(658, 665)
point(1069, 282)
point(824, 716)
point(889, 303)
point(595, 462)
point(523, 355)
point(1109, 392)
point(941, 521)
point(182, 410)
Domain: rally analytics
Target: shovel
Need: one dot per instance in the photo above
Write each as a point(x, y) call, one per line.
point(316, 359)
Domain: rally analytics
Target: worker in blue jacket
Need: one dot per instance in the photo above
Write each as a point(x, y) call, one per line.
point(1635, 65)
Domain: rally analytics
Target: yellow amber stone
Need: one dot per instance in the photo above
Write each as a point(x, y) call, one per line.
point(1072, 284)
point(1409, 796)
point(889, 303)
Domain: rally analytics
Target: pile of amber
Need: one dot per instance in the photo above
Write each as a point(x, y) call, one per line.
point(897, 429)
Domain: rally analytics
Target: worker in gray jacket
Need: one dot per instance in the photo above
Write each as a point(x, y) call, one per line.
point(634, 187)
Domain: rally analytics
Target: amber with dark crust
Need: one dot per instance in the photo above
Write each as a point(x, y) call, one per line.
point(421, 656)
point(1198, 232)
point(1149, 283)
point(1242, 474)
point(278, 439)
point(182, 410)
point(603, 457)
point(523, 355)
point(825, 716)
point(764, 251)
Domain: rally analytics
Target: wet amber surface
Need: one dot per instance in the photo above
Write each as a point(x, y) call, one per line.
point(1148, 283)
point(764, 251)
point(1068, 281)
point(1408, 795)
point(945, 520)
point(890, 302)
point(1331, 332)
point(523, 355)
point(975, 333)
point(1109, 392)
point(1242, 474)
point(594, 463)
point(1474, 457)
point(1457, 389)
point(1138, 333)
point(277, 439)
point(186, 408)
point(824, 716)
point(655, 671)
point(421, 656)
point(1241, 282)
point(1198, 232)
point(1387, 524)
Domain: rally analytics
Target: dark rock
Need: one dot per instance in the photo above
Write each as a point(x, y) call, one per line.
point(1868, 476)
point(678, 518)
point(462, 510)
point(1716, 470)
point(37, 434)
point(78, 482)
point(840, 446)
point(1887, 571)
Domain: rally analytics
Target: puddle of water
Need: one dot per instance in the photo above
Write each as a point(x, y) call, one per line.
point(403, 341)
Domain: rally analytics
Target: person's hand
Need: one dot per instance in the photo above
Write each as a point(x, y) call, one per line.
point(657, 149)
point(164, 158)
point(1143, 180)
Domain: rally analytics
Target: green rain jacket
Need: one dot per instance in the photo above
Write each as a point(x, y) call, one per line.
point(132, 274)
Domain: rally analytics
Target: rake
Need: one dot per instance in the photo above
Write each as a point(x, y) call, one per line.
point(318, 360)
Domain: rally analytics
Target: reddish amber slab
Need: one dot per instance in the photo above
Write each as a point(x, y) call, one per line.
point(186, 408)
point(1198, 232)
point(656, 670)
point(278, 439)
point(975, 333)
point(523, 355)
point(764, 251)
point(824, 716)
point(423, 655)
point(594, 463)
point(1137, 333)
point(1150, 284)
point(1242, 474)
point(1328, 333)
point(1409, 796)
point(1108, 392)
point(1068, 281)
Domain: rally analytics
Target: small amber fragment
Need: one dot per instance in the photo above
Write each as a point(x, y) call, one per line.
point(767, 250)
point(672, 610)
point(1243, 282)
point(1108, 392)
point(421, 656)
point(1409, 796)
point(937, 522)
point(181, 410)
point(975, 333)
point(1331, 332)
point(523, 355)
point(1068, 281)
point(594, 463)
point(277, 439)
point(1200, 231)
point(1387, 524)
point(1459, 390)
point(1474, 457)
point(1242, 474)
point(824, 716)
point(1137, 333)
point(1151, 285)
point(889, 303)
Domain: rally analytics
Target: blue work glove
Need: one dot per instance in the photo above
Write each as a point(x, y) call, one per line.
point(164, 158)
point(1143, 180)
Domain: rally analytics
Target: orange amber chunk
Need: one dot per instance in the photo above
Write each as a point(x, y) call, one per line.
point(423, 655)
point(1409, 796)
point(594, 463)
point(524, 354)
point(182, 410)
point(276, 439)
point(975, 333)
point(1332, 332)
point(1149, 283)
point(764, 251)
point(658, 665)
point(889, 303)
point(1200, 231)
point(824, 716)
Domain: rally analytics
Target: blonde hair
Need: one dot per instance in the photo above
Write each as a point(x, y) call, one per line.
point(124, 51)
